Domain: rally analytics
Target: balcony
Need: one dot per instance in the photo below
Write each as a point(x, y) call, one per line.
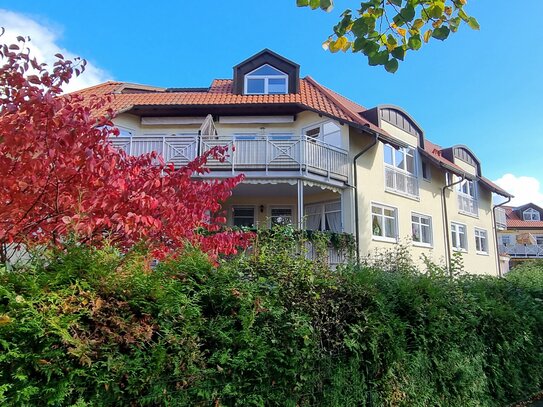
point(401, 182)
point(468, 205)
point(534, 251)
point(269, 154)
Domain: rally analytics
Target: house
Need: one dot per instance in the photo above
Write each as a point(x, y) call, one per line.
point(318, 160)
point(522, 237)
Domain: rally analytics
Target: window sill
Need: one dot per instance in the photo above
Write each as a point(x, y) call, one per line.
point(400, 193)
point(482, 253)
point(471, 215)
point(423, 245)
point(384, 239)
point(459, 250)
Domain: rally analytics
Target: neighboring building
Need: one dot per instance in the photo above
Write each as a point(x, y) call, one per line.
point(298, 144)
point(522, 237)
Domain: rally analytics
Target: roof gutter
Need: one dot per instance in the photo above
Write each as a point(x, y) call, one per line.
point(496, 234)
point(446, 223)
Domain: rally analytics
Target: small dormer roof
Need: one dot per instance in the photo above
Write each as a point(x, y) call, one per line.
point(267, 57)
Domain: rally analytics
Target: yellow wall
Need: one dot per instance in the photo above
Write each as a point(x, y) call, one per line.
point(371, 188)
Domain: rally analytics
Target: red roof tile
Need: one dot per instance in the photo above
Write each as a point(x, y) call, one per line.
point(312, 96)
point(514, 221)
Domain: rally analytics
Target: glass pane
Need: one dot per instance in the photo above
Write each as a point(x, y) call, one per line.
point(266, 70)
point(426, 234)
point(313, 132)
point(416, 232)
point(400, 159)
point(376, 226)
point(462, 237)
point(390, 228)
point(330, 127)
point(255, 86)
point(277, 86)
point(410, 164)
point(389, 212)
point(388, 155)
point(376, 209)
point(332, 206)
point(244, 212)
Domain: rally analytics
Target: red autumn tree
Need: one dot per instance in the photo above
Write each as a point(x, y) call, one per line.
point(59, 174)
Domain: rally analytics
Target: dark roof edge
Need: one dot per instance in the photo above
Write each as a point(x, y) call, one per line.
point(269, 51)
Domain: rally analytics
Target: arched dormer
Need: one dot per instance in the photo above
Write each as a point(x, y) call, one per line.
point(266, 73)
point(397, 117)
point(462, 153)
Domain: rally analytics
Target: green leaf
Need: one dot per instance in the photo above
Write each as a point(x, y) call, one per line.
point(380, 58)
point(302, 3)
point(370, 48)
point(441, 33)
point(392, 65)
point(414, 42)
point(359, 44)
point(314, 4)
point(396, 2)
point(398, 53)
point(360, 27)
point(408, 13)
point(462, 14)
point(436, 10)
point(327, 5)
point(473, 23)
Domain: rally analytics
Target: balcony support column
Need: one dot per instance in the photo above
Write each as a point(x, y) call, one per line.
point(300, 201)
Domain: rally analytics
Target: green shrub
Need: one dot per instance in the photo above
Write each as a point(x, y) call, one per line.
point(90, 327)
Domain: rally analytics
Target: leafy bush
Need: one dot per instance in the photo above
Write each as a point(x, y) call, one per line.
point(91, 327)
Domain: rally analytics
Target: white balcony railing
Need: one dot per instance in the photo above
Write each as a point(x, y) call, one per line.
point(264, 153)
point(501, 220)
point(401, 182)
point(468, 205)
point(522, 250)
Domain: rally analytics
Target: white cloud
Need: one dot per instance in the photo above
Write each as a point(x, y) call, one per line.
point(44, 46)
point(525, 189)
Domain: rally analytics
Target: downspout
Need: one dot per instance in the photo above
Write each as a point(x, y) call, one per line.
point(446, 223)
point(496, 234)
point(355, 182)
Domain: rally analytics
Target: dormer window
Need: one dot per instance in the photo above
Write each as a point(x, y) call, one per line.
point(531, 215)
point(266, 80)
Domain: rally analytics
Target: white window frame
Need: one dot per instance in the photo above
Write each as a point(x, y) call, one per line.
point(253, 207)
point(270, 213)
point(466, 184)
point(321, 135)
point(323, 212)
point(531, 212)
point(405, 152)
point(266, 81)
point(455, 236)
point(421, 225)
point(468, 189)
point(382, 237)
point(480, 236)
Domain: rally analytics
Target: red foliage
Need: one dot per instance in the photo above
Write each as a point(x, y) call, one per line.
point(60, 175)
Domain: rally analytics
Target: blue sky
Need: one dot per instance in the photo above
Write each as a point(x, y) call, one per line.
point(479, 88)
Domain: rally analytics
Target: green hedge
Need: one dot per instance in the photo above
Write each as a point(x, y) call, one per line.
point(90, 327)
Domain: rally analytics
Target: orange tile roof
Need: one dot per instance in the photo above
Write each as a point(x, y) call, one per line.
point(311, 96)
point(514, 221)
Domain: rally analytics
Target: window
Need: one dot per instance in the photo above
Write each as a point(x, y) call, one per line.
point(426, 174)
point(421, 228)
point(327, 132)
point(324, 216)
point(467, 198)
point(530, 215)
point(400, 170)
point(481, 241)
point(244, 216)
point(467, 187)
point(458, 237)
point(402, 158)
point(384, 220)
point(266, 80)
point(281, 216)
point(506, 239)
